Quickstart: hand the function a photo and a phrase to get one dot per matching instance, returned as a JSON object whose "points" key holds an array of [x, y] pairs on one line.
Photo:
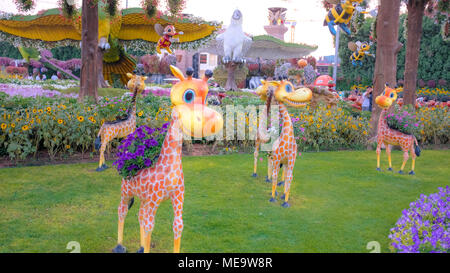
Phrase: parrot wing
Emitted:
{"points": [[136, 26], [49, 26]]}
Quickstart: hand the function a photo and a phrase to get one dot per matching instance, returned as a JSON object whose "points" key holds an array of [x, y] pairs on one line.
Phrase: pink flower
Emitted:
{"points": [[260, 159], [299, 153]]}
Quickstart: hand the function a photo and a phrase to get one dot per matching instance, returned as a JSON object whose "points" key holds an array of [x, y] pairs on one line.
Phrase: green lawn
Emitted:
{"points": [[339, 203]]}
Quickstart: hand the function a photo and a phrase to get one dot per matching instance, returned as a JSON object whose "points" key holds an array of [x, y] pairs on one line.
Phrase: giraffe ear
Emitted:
{"points": [[274, 83], [263, 82], [129, 75], [145, 78], [177, 72]]}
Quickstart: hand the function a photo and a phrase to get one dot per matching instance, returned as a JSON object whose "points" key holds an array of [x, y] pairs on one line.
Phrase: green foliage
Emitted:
{"points": [[349, 74], [10, 51], [434, 59], [65, 53]]}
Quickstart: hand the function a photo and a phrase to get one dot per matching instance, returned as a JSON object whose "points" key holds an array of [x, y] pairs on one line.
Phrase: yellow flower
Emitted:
{"points": [[67, 147], [4, 126], [80, 118], [49, 109], [40, 111], [60, 121], [166, 119], [140, 113], [25, 128], [13, 125]]}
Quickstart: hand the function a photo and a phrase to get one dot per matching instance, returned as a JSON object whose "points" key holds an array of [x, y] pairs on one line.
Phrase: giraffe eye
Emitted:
{"points": [[392, 95], [189, 96], [288, 88]]}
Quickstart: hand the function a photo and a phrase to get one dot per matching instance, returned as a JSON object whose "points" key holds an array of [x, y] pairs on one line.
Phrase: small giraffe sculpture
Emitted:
{"points": [[262, 136], [284, 149], [121, 127], [164, 180], [389, 136]]}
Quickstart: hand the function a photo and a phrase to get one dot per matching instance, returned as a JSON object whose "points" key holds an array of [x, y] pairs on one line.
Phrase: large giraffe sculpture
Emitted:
{"points": [[388, 136], [284, 149], [164, 180], [262, 136], [122, 127]]}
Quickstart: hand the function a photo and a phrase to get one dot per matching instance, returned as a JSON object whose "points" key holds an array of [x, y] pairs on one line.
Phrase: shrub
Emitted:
{"points": [[442, 82], [424, 226], [151, 63], [421, 83], [431, 83]]}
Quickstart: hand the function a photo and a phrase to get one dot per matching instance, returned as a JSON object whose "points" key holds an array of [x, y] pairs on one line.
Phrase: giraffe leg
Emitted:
{"points": [[275, 170], [177, 204], [122, 212], [405, 158], [141, 228], [287, 183], [255, 158], [388, 152], [413, 157], [101, 163], [149, 222], [269, 169], [283, 177], [378, 155]]}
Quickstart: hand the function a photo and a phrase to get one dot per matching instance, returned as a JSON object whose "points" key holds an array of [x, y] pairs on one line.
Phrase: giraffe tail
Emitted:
{"points": [[416, 148], [130, 203]]}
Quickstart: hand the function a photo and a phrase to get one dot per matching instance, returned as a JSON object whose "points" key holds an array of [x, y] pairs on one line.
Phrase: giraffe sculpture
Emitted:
{"points": [[164, 180], [262, 136], [284, 149], [121, 127], [388, 136]]}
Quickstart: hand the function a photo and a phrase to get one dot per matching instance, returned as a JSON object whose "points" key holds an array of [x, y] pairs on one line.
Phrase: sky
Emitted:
{"points": [[309, 15]]}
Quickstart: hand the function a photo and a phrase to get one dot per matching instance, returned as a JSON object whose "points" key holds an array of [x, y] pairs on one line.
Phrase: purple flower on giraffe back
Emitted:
{"points": [[140, 150]]}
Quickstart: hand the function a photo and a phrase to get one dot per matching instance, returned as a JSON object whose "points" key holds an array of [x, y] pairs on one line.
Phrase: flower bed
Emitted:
{"points": [[140, 150], [424, 226], [404, 120]]}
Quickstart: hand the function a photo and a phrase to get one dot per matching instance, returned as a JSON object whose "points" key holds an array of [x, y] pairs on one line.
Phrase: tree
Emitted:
{"points": [[388, 47], [416, 10], [89, 50]]}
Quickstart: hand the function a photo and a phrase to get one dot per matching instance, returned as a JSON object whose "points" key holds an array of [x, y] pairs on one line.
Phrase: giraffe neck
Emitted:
{"points": [[173, 141], [382, 123], [286, 121], [132, 113]]}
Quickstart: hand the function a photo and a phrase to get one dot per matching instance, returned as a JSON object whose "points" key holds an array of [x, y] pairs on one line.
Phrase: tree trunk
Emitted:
{"points": [[414, 32], [101, 80], [89, 61], [231, 82], [388, 47]]}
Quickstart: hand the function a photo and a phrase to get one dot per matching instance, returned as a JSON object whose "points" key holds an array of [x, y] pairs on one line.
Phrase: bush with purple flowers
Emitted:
{"points": [[140, 150], [404, 120], [425, 226]]}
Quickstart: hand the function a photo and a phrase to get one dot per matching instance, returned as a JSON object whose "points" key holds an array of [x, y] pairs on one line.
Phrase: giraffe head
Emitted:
{"points": [[189, 99], [261, 91], [386, 98], [136, 83], [285, 93]]}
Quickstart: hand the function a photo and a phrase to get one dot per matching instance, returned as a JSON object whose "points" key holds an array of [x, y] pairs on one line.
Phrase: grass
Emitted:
{"points": [[339, 204]]}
